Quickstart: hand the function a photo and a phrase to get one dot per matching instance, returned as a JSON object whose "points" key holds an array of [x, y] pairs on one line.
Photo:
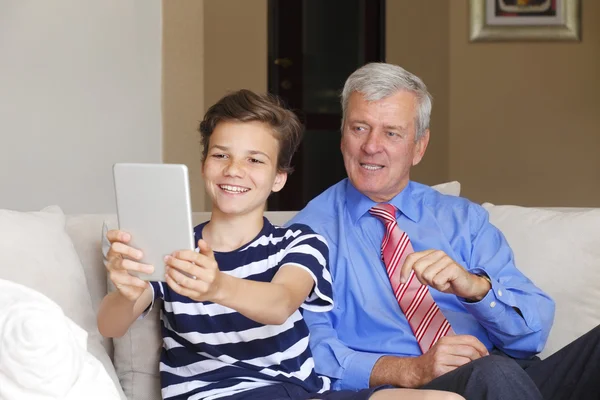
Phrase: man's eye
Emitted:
{"points": [[360, 129], [392, 134]]}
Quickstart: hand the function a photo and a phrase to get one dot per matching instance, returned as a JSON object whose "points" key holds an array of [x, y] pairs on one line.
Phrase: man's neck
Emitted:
{"points": [[226, 232]]}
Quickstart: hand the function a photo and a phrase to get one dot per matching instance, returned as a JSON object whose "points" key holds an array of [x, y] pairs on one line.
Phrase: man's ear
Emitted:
{"points": [[420, 148], [280, 180]]}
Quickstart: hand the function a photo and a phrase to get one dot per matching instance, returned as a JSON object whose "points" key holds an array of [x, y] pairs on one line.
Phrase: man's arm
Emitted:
{"points": [[354, 370], [516, 313]]}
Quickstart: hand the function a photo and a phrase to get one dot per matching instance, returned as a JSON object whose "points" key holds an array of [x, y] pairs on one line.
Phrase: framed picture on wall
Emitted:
{"points": [[493, 20]]}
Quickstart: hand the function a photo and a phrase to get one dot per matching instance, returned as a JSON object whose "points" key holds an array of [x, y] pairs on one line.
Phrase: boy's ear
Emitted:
{"points": [[280, 180]]}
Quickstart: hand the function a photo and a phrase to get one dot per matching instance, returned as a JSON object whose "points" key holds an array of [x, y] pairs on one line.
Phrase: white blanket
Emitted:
{"points": [[43, 354]]}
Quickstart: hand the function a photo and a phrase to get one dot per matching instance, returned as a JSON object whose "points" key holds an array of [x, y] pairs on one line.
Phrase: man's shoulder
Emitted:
{"points": [[447, 207], [439, 202], [323, 209]]}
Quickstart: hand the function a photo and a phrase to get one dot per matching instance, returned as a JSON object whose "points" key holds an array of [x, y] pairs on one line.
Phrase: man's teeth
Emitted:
{"points": [[371, 167], [235, 189]]}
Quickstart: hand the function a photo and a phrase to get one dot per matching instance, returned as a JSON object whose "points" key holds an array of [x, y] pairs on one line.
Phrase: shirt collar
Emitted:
{"points": [[358, 204]]}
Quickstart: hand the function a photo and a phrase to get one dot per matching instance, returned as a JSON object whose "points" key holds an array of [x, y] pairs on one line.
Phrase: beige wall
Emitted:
{"points": [[417, 40], [79, 91], [514, 122], [525, 116], [183, 88], [210, 48]]}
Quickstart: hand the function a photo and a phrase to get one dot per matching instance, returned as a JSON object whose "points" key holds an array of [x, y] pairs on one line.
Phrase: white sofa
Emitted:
{"points": [[559, 249]]}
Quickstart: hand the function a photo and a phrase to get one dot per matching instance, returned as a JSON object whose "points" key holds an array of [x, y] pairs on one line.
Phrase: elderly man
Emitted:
{"points": [[426, 290]]}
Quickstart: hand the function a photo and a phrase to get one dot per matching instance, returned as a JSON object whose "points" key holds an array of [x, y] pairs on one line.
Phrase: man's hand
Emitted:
{"points": [[436, 269], [195, 275], [449, 353]]}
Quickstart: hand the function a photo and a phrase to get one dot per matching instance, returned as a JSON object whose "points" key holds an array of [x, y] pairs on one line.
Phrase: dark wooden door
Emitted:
{"points": [[314, 45]]}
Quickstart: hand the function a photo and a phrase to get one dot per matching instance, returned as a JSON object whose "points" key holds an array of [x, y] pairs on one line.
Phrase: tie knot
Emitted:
{"points": [[384, 211]]}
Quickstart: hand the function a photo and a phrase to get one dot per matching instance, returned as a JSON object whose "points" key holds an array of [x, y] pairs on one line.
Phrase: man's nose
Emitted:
{"points": [[372, 143]]}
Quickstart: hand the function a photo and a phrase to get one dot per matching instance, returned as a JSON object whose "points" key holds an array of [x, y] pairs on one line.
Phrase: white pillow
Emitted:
{"points": [[44, 352], [560, 252], [36, 251], [450, 188]]}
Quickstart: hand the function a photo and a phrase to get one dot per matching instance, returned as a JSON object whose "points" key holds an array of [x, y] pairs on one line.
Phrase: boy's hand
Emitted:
{"points": [[120, 260], [203, 281]]}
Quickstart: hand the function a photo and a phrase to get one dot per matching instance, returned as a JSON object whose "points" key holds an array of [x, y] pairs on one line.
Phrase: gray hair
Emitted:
{"points": [[376, 81]]}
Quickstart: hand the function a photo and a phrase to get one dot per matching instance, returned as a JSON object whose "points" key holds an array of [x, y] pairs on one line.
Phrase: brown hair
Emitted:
{"points": [[246, 106]]}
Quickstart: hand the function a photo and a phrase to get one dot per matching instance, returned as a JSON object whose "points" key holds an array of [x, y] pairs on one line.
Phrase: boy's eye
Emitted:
{"points": [[219, 155], [256, 161]]}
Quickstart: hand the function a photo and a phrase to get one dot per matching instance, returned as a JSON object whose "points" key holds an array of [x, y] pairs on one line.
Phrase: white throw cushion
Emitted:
{"points": [[560, 252], [44, 352], [36, 251], [451, 188]]}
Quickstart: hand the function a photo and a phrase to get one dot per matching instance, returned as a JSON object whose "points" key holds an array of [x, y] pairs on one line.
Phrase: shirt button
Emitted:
{"points": [[500, 293], [493, 304]]}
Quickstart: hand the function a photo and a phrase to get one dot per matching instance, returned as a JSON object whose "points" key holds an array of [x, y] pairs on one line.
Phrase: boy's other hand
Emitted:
{"points": [[195, 275], [121, 259]]}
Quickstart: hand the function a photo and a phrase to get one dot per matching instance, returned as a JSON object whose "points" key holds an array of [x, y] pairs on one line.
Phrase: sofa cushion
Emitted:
{"points": [[84, 231], [560, 252], [37, 252]]}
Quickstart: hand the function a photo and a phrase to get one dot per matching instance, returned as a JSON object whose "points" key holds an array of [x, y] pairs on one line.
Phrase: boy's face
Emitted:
{"points": [[240, 170]]}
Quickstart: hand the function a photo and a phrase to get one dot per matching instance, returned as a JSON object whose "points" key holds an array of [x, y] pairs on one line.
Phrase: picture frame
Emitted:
{"points": [[506, 20]]}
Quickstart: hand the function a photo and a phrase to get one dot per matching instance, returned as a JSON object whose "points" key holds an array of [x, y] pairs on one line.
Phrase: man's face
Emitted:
{"points": [[378, 144]]}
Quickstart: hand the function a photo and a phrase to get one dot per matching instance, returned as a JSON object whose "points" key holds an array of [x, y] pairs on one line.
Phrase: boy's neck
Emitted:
{"points": [[226, 232]]}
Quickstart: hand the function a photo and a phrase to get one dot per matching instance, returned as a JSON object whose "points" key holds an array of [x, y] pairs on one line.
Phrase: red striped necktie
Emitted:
{"points": [[424, 316]]}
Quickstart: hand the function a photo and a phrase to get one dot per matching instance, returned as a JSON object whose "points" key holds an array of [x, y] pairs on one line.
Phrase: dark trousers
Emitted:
{"points": [[573, 373]]}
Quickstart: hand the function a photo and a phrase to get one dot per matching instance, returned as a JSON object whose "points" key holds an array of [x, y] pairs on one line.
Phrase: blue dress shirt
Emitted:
{"points": [[366, 322]]}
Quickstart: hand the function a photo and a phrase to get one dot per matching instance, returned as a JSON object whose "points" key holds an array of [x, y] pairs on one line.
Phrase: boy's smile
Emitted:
{"points": [[240, 170]]}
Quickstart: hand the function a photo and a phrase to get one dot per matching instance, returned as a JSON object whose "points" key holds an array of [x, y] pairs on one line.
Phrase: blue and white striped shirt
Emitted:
{"points": [[212, 352]]}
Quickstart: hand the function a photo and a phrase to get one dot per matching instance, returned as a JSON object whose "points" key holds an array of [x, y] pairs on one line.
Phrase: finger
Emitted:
{"points": [[122, 280], [185, 281], [125, 250], [409, 262], [181, 265], [467, 340], [173, 284], [198, 259], [133, 266], [462, 350], [205, 249], [442, 281], [454, 361], [427, 267], [115, 235]]}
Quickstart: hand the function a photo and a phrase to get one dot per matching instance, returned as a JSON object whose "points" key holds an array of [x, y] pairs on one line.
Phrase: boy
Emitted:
{"points": [[231, 323]]}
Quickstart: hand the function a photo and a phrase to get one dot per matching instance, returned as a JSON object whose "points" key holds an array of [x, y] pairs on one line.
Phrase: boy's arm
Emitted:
{"points": [[268, 303], [117, 313], [304, 267]]}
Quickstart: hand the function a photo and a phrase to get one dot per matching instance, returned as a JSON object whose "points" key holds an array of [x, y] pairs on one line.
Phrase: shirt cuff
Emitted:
{"points": [[357, 371], [495, 303]]}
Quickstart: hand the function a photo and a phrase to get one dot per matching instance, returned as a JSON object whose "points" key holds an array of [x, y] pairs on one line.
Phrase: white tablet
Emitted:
{"points": [[153, 205]]}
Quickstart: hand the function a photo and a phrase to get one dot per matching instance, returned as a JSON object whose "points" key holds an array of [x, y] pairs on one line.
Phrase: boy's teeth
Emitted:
{"points": [[233, 188]]}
